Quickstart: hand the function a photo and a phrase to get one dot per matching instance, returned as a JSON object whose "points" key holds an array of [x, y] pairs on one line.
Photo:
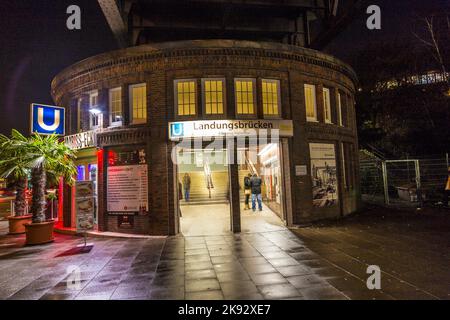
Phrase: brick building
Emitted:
{"points": [[133, 113]]}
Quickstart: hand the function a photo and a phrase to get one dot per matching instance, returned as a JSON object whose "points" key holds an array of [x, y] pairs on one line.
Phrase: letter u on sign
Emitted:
{"points": [[47, 119], [177, 129]]}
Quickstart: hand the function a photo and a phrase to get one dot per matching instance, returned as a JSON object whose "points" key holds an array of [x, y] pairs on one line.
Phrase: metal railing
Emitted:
{"points": [[418, 181]]}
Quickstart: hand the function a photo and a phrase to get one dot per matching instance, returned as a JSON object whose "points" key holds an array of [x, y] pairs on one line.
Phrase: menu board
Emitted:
{"points": [[127, 189], [84, 205]]}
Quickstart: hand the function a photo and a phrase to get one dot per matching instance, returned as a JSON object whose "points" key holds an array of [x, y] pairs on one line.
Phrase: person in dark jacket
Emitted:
{"points": [[247, 190], [255, 183]]}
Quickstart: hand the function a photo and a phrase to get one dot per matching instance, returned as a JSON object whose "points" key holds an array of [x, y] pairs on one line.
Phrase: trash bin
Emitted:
{"points": [[408, 192]]}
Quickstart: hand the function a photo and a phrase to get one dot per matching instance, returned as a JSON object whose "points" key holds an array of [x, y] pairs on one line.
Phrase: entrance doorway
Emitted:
{"points": [[87, 170], [261, 163], [203, 189], [203, 184]]}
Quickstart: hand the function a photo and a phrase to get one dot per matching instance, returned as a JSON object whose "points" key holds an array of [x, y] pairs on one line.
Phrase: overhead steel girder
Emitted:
{"points": [[117, 24]]}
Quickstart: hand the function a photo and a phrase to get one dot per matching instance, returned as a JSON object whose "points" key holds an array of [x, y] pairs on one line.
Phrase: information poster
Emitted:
{"points": [[323, 174], [84, 205], [127, 189]]}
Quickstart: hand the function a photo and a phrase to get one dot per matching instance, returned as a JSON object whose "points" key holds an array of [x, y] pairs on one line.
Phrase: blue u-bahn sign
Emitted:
{"points": [[47, 119], [176, 129]]}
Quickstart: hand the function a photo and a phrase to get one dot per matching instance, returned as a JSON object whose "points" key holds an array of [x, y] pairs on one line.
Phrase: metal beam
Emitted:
{"points": [[112, 14], [292, 4], [336, 24]]}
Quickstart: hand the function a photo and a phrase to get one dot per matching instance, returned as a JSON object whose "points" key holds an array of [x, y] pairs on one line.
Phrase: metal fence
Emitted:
{"points": [[413, 182]]}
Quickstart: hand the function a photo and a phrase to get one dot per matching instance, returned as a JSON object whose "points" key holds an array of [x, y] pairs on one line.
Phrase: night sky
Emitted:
{"points": [[35, 45]]}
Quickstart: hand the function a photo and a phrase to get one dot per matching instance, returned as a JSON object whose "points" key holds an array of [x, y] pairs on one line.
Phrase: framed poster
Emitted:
{"points": [[323, 174], [127, 189]]}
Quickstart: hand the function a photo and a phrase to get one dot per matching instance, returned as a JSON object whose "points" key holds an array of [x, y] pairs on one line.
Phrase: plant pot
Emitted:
{"points": [[39, 233], [17, 224]]}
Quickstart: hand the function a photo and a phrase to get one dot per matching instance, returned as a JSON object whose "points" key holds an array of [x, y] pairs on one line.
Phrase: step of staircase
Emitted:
{"points": [[203, 202]]}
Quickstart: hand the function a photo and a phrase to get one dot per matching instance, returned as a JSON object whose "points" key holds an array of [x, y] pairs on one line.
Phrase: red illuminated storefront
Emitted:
{"points": [[88, 159]]}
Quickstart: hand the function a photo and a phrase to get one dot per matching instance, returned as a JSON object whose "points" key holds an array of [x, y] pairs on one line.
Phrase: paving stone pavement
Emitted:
{"points": [[327, 262]]}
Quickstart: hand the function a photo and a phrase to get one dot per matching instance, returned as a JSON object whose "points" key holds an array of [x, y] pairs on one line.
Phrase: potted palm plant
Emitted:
{"points": [[14, 166], [49, 159]]}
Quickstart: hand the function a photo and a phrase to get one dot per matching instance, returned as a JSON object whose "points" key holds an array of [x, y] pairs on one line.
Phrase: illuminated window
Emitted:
{"points": [[93, 99], [326, 105], [213, 95], [310, 102], [186, 97], [115, 106], [138, 103], [245, 96], [339, 109], [81, 170], [95, 115], [271, 97]]}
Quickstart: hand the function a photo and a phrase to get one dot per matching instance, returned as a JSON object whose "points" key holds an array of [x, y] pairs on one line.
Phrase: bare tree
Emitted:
{"points": [[435, 36]]}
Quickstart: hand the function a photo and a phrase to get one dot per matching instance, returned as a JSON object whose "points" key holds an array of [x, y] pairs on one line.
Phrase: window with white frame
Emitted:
{"points": [[115, 106], [245, 96], [213, 96], [270, 97], [79, 126], [310, 102], [339, 109], [186, 97], [95, 114], [138, 103], [326, 105]]}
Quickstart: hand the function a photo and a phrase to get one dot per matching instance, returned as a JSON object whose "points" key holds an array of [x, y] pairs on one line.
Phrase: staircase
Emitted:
{"points": [[248, 168], [200, 193]]}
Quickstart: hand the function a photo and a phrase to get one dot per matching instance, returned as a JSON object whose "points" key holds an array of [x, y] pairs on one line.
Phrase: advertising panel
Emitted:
{"points": [[323, 174], [127, 189], [84, 205]]}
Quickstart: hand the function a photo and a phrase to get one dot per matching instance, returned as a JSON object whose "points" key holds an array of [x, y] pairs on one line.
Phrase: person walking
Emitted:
{"points": [[255, 183], [247, 191], [186, 186]]}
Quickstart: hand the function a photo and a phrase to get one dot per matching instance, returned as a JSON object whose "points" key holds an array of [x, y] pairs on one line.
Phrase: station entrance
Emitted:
{"points": [[204, 182]]}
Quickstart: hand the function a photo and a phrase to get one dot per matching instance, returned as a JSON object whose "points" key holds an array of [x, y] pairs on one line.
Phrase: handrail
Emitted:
{"points": [[251, 166]]}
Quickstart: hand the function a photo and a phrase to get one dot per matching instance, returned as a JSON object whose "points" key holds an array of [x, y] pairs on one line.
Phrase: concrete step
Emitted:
{"points": [[205, 202]]}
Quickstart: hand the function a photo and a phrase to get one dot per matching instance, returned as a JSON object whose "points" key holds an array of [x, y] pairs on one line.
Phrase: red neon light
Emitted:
{"points": [[100, 156], [60, 199], [111, 157]]}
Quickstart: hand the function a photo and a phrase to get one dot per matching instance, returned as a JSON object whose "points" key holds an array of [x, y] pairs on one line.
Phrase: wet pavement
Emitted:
{"points": [[215, 220], [319, 262]]}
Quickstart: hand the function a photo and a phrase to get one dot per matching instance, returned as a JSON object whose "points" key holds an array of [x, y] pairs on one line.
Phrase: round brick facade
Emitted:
{"points": [[159, 65]]}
